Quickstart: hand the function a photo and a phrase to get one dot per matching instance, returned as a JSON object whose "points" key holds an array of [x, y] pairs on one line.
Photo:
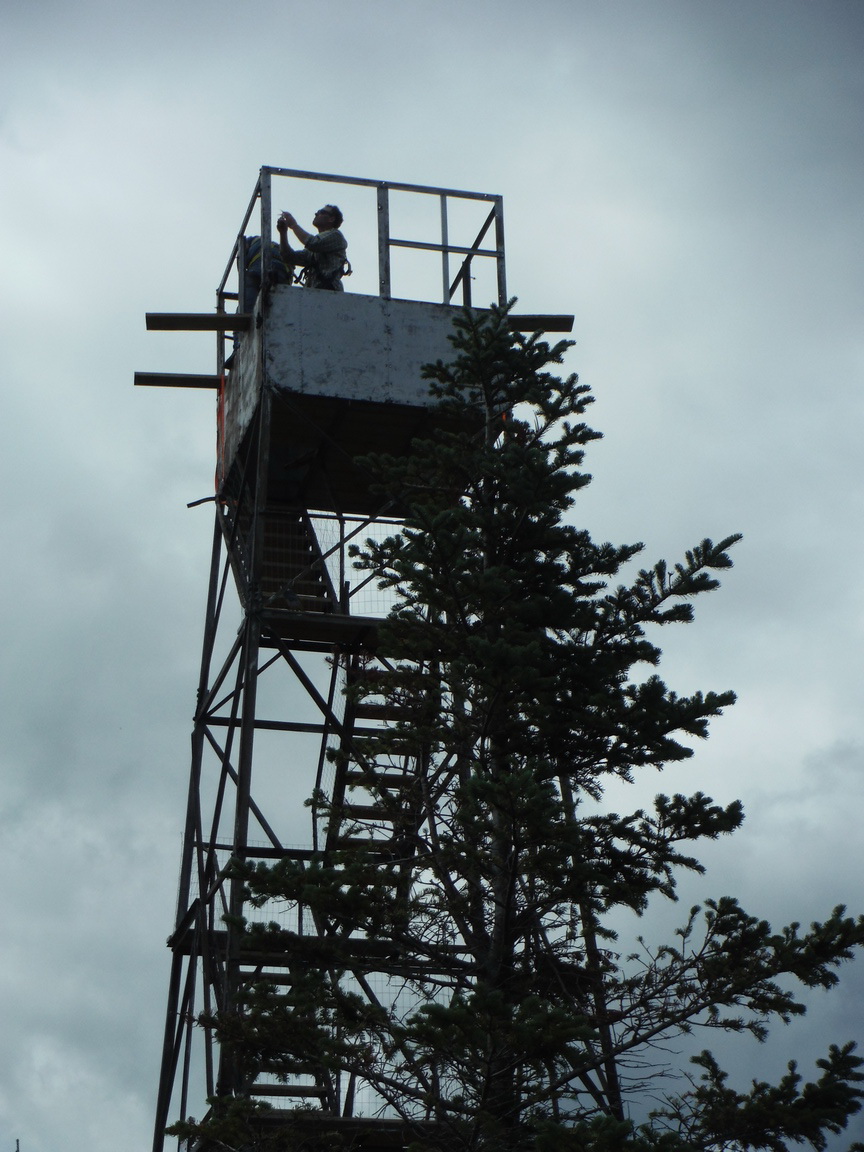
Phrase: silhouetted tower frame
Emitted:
{"points": [[316, 380]]}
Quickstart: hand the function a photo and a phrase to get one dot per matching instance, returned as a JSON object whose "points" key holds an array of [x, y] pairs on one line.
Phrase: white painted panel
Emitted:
{"points": [[359, 347], [336, 344]]}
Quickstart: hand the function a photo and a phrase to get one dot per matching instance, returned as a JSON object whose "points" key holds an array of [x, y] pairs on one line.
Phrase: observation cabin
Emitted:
{"points": [[307, 381]]}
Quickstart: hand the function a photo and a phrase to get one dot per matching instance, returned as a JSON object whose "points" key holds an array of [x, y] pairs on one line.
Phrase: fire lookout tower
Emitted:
{"points": [[310, 382]]}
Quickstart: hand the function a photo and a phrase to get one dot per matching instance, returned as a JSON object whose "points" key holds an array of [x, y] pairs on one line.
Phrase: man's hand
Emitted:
{"points": [[286, 221]]}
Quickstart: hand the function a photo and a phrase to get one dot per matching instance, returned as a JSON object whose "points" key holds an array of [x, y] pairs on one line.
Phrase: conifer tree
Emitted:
{"points": [[518, 662]]}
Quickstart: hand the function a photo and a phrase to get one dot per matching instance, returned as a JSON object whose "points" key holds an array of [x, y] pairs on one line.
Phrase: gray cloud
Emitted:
{"points": [[686, 177]]}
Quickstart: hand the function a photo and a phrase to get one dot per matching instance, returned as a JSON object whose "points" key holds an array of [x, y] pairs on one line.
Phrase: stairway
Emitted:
{"points": [[375, 800], [293, 572]]}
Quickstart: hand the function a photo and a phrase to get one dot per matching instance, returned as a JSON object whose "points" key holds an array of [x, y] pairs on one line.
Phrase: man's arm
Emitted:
{"points": [[286, 221], [290, 257]]}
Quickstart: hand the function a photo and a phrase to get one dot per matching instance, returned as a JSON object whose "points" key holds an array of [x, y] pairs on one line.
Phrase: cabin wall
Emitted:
{"points": [[338, 345]]}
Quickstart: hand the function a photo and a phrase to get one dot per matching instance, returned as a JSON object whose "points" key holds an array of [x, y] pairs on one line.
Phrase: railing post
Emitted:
{"points": [[466, 282], [266, 226], [445, 254], [383, 241], [499, 246]]}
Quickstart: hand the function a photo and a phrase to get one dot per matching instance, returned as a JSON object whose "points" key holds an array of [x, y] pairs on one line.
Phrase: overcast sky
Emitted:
{"points": [[683, 175]]}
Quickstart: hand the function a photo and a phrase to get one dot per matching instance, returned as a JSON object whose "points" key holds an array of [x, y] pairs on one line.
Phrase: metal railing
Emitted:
{"points": [[456, 259]]}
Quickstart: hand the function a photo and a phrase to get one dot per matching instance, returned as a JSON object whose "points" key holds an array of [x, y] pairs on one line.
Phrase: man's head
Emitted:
{"points": [[328, 217]]}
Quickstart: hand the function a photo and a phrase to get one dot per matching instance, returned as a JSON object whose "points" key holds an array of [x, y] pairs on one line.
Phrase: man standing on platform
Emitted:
{"points": [[323, 257]]}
